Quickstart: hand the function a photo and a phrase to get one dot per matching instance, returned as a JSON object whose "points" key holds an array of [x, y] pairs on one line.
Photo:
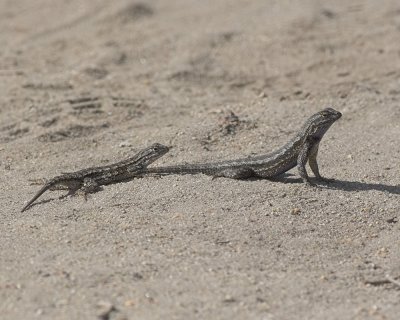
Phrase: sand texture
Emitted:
{"points": [[88, 83]]}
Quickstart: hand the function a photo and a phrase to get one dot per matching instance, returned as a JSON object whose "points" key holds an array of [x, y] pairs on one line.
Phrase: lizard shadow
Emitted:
{"points": [[77, 194], [63, 197], [344, 185], [69, 195], [336, 184]]}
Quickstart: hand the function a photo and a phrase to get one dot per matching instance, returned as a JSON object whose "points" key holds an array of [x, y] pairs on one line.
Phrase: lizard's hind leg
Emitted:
{"points": [[89, 186], [236, 173], [72, 186]]}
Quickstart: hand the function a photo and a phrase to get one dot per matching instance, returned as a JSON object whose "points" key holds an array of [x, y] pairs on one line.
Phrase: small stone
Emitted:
{"points": [[129, 303], [39, 312], [105, 309], [323, 278], [392, 220], [262, 94], [229, 299], [295, 211], [383, 252], [125, 144]]}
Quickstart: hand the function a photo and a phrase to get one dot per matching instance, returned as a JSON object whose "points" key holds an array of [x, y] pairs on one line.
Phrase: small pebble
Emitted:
{"points": [[125, 144], [295, 211]]}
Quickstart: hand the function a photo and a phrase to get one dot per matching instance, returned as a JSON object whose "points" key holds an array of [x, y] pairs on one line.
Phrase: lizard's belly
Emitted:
{"points": [[275, 169]]}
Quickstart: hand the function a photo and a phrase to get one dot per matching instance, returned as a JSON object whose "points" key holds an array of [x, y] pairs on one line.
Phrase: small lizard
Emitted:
{"points": [[301, 148], [89, 180]]}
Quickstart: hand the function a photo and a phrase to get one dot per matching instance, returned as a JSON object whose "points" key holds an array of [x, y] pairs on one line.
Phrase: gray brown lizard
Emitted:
{"points": [[89, 180], [301, 148]]}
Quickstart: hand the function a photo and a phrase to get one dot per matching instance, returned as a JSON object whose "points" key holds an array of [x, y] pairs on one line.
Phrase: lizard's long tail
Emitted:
{"points": [[37, 195]]}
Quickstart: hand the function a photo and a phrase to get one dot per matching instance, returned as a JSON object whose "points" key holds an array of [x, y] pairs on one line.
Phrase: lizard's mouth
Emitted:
{"points": [[338, 115]]}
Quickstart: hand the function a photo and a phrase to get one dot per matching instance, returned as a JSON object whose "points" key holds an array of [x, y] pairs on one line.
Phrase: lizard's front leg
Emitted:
{"points": [[303, 158], [89, 186], [312, 161]]}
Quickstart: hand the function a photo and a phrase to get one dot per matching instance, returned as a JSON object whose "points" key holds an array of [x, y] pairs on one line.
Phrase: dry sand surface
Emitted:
{"points": [[189, 247]]}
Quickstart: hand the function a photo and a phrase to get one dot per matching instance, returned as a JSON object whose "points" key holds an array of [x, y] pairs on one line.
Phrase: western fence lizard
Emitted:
{"points": [[300, 149], [89, 180]]}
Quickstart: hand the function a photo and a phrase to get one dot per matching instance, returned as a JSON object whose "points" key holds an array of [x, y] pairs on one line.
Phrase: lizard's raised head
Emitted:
{"points": [[330, 113], [320, 122], [155, 151], [150, 154]]}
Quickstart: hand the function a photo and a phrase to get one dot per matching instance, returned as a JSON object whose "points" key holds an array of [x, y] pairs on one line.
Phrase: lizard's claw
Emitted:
{"points": [[310, 184]]}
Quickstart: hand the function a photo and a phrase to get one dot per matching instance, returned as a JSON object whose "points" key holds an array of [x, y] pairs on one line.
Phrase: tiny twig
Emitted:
{"points": [[393, 281], [377, 282], [388, 280]]}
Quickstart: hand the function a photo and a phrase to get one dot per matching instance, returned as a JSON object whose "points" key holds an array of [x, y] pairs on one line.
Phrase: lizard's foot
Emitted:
{"points": [[83, 194], [310, 184]]}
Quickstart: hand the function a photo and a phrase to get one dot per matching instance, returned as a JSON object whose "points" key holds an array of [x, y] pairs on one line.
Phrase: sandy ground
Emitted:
{"points": [[189, 247]]}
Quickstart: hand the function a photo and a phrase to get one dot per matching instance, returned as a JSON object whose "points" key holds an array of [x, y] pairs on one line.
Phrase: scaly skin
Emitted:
{"points": [[89, 180], [301, 148]]}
